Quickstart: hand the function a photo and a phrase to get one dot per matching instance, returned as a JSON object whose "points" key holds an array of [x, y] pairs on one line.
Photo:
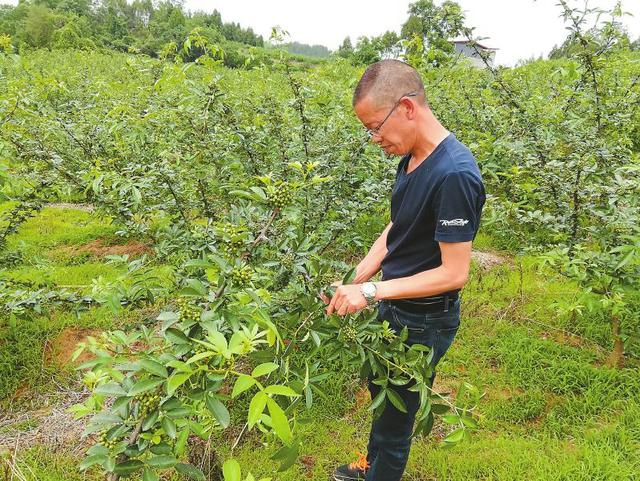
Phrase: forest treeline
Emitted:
{"points": [[161, 28]]}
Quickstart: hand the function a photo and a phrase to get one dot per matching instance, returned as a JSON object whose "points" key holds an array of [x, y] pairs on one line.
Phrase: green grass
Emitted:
{"points": [[77, 277], [46, 464], [55, 226]]}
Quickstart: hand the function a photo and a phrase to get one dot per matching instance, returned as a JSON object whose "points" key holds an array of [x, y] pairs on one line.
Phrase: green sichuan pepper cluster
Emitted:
{"points": [[348, 333], [105, 441], [281, 195], [231, 238], [148, 402], [188, 310], [241, 275]]}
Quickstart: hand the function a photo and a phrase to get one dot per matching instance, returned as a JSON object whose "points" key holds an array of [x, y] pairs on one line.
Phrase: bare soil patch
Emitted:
{"points": [[308, 462], [102, 247], [488, 260], [562, 337], [61, 349]]}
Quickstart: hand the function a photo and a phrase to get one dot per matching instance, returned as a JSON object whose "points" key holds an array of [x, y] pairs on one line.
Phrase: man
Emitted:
{"points": [[425, 251]]}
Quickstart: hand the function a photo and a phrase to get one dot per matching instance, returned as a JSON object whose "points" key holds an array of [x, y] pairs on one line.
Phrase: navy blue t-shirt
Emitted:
{"points": [[441, 200]]}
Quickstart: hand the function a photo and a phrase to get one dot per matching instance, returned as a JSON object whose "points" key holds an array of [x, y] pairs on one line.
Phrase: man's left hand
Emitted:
{"points": [[347, 300]]}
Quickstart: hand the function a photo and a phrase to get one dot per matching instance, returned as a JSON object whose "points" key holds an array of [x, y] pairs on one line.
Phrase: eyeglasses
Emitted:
{"points": [[376, 131]]}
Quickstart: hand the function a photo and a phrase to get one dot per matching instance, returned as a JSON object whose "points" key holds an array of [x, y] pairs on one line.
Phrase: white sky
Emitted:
{"points": [[520, 29]]}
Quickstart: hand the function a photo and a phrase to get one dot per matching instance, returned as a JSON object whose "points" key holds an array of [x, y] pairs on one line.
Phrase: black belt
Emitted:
{"points": [[424, 305]]}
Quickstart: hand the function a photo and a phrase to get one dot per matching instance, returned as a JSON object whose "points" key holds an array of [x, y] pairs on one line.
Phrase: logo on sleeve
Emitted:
{"points": [[454, 222]]}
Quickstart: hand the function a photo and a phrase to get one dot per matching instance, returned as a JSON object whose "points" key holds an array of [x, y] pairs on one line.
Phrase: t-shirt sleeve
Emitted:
{"points": [[458, 207]]}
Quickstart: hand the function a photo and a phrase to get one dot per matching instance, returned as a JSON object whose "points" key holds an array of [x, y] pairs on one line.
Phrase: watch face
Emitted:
{"points": [[369, 289]]}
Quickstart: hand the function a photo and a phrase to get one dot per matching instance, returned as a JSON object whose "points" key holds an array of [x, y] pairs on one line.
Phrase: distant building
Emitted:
{"points": [[475, 52]]}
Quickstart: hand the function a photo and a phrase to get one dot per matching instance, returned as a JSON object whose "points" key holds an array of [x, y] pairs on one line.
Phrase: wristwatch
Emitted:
{"points": [[368, 290]]}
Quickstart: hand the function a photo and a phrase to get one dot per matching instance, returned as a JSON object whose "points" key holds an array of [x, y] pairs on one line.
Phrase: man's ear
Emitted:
{"points": [[409, 108]]}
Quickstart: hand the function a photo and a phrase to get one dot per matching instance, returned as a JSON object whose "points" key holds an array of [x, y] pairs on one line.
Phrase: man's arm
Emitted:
{"points": [[452, 274], [370, 265]]}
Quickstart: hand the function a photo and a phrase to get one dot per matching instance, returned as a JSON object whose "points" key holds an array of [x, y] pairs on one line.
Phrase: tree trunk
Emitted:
{"points": [[616, 357]]}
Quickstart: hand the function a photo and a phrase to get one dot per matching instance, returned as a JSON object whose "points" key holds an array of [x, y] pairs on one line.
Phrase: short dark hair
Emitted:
{"points": [[386, 81]]}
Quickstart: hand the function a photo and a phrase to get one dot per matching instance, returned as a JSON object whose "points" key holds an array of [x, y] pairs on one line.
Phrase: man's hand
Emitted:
{"points": [[347, 300], [324, 297]]}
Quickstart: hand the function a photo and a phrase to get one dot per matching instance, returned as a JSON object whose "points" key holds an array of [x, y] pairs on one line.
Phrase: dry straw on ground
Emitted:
{"points": [[51, 425]]}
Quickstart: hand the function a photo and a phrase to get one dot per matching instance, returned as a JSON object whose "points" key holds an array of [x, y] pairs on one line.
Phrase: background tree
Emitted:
{"points": [[39, 26], [346, 48], [436, 25], [141, 25], [366, 52]]}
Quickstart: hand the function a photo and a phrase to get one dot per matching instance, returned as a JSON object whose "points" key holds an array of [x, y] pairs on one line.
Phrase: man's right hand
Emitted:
{"points": [[326, 299]]}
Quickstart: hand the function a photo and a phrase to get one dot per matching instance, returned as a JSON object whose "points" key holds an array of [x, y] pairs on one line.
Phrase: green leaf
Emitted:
{"points": [[92, 460], [149, 475], [424, 426], [231, 470], [128, 467], [169, 427], [120, 403], [281, 390], [219, 411], [451, 419], [106, 418], [244, 195], [428, 425], [195, 288], [176, 380], [455, 436], [236, 343], [109, 465], [179, 413], [97, 449], [256, 408], [190, 471], [200, 356], [348, 277], [396, 400], [287, 456], [308, 396], [223, 264], [218, 340], [110, 389], [377, 400], [181, 442], [439, 408], [162, 448], [259, 192], [162, 462], [263, 369], [168, 319], [91, 363], [469, 422], [176, 336], [154, 368], [243, 383], [144, 386], [150, 420], [279, 421]]}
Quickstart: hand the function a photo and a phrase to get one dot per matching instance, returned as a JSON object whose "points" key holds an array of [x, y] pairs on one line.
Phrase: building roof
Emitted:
{"points": [[477, 43]]}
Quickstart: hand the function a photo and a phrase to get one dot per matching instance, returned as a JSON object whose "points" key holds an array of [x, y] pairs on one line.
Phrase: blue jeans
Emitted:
{"points": [[389, 440]]}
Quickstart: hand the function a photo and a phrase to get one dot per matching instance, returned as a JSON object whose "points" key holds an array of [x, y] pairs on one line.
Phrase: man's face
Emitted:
{"points": [[394, 135]]}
